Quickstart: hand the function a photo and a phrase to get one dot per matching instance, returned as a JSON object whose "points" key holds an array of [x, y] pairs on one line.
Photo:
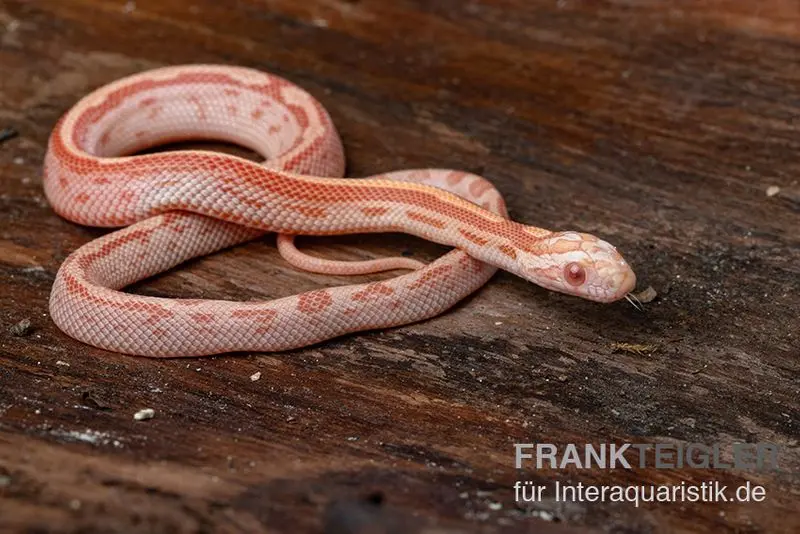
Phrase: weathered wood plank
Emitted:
{"points": [[658, 126]]}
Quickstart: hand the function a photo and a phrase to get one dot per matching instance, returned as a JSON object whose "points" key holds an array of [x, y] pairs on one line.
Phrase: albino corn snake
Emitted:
{"points": [[180, 205]]}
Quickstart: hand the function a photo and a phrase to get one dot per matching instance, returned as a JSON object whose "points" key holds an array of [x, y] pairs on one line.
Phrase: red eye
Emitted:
{"points": [[574, 274]]}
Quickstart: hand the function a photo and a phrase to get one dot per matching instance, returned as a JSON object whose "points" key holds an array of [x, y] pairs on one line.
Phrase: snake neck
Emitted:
{"points": [[511, 246], [487, 236]]}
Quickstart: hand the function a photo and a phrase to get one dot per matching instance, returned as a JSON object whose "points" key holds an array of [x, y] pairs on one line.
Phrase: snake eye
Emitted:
{"points": [[574, 274]]}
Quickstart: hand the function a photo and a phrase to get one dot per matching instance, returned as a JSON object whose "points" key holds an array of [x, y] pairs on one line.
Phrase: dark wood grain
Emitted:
{"points": [[656, 125]]}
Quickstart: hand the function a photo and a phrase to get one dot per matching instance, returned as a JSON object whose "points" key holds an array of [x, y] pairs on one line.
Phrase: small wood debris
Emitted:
{"points": [[633, 348], [647, 295], [91, 400], [255, 376], [773, 190], [544, 515], [20, 329], [62, 363], [143, 415]]}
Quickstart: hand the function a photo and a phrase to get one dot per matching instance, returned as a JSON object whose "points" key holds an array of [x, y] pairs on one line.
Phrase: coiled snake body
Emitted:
{"points": [[179, 205]]}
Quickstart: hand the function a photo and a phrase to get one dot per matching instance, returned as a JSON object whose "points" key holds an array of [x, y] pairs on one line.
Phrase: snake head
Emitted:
{"points": [[581, 265]]}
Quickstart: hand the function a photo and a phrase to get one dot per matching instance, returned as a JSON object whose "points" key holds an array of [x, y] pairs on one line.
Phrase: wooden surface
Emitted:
{"points": [[657, 125]]}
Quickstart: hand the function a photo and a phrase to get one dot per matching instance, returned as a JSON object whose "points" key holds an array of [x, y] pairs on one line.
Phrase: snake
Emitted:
{"points": [[171, 206]]}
